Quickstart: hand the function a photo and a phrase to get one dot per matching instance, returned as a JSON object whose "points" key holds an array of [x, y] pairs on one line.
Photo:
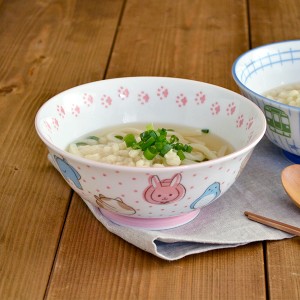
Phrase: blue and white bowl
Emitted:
{"points": [[262, 69]]}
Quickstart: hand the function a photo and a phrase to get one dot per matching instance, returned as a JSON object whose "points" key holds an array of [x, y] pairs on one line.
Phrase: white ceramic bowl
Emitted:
{"points": [[262, 69], [122, 194]]}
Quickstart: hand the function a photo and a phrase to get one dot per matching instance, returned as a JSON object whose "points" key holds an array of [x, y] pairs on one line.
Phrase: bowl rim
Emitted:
{"points": [[166, 169], [257, 95]]}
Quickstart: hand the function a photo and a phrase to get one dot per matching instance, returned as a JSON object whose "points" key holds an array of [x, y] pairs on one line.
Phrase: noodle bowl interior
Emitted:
{"points": [[142, 145]]}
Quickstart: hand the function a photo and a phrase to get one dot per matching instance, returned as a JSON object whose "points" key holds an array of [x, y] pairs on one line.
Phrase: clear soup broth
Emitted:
{"points": [[158, 145]]}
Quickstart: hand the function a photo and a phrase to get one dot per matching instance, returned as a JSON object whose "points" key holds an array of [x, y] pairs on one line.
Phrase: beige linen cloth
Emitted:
{"points": [[223, 224]]}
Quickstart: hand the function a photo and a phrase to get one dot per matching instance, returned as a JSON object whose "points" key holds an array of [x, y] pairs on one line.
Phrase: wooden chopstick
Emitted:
{"points": [[272, 223]]}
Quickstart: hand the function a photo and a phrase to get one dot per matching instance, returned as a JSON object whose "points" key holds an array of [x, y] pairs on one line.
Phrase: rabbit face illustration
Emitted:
{"points": [[165, 191]]}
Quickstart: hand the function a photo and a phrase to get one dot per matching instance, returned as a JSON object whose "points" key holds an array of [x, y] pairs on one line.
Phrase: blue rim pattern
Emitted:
{"points": [[268, 61]]}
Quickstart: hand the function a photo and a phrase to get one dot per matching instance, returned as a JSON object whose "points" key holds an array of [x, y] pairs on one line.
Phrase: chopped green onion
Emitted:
{"points": [[93, 137], [161, 138], [150, 153], [181, 154], [165, 149], [178, 146], [130, 140], [153, 134], [205, 130], [187, 148], [119, 137], [159, 145], [144, 135], [162, 132], [146, 144], [174, 139], [81, 144], [149, 126], [154, 142], [136, 146], [147, 134]]}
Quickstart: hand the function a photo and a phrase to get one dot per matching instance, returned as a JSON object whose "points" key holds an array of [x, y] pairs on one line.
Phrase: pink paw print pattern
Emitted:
{"points": [[230, 109], [162, 93], [60, 111], [181, 100], [250, 137], [200, 98], [75, 110], [123, 93], [88, 99], [143, 97], [55, 123], [47, 126], [249, 123], [215, 108], [240, 121], [106, 101]]}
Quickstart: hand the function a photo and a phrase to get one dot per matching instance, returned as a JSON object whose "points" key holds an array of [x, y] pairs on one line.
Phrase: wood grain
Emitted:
{"points": [[284, 269], [190, 39], [95, 264], [273, 21], [46, 52]]}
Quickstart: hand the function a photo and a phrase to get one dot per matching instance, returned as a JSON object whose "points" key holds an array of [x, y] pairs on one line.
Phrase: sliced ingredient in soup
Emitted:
{"points": [[286, 94], [162, 147]]}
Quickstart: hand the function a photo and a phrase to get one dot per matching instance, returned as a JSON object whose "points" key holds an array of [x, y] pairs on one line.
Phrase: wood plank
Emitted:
{"points": [[44, 50], [273, 21], [284, 269], [194, 40], [95, 264], [167, 38]]}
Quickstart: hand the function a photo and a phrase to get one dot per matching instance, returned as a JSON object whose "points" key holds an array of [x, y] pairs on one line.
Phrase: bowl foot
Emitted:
{"points": [[291, 157], [151, 223]]}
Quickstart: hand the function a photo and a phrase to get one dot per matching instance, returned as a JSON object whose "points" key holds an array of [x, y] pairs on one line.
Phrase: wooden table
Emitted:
{"points": [[50, 244]]}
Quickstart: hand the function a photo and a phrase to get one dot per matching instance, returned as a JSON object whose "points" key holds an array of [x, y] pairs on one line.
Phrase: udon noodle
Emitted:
{"points": [[287, 94], [110, 146]]}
